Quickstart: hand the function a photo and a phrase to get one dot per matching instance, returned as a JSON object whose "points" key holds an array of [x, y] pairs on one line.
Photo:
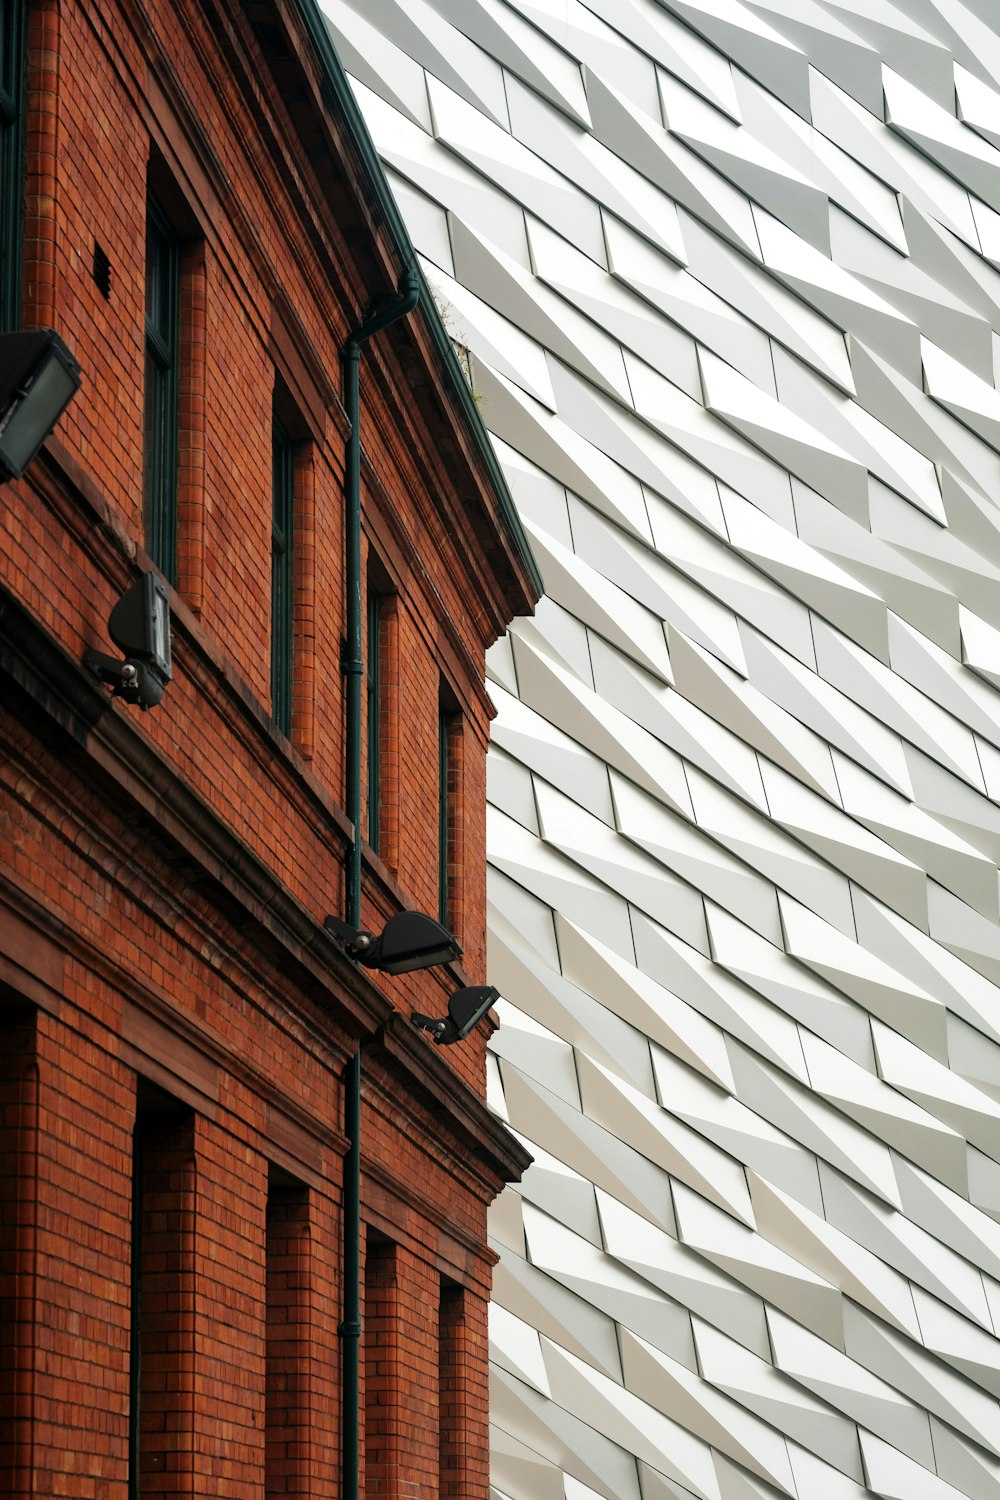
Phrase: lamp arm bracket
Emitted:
{"points": [[118, 674], [437, 1028]]}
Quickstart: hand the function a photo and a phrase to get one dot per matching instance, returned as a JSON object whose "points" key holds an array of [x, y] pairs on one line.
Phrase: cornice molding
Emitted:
{"points": [[73, 714]]}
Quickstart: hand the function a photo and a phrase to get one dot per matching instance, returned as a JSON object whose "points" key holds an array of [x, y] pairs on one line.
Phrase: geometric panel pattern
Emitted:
{"points": [[726, 278]]}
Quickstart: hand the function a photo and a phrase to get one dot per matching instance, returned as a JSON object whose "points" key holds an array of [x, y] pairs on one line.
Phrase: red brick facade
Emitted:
{"points": [[174, 1022]]}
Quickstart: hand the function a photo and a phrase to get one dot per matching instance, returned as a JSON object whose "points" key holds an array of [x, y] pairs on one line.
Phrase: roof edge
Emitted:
{"points": [[347, 105]]}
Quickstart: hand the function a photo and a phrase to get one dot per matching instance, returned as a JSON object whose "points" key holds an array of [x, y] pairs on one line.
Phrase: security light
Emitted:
{"points": [[466, 1009], [139, 625], [409, 940], [38, 379]]}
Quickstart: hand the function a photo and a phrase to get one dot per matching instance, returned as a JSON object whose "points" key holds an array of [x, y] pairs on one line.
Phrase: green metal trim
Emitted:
{"points": [[444, 813], [282, 574], [161, 398], [353, 667], [13, 88], [374, 718], [343, 100]]}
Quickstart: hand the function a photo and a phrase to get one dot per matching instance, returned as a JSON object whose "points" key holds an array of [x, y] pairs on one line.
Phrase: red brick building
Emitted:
{"points": [[191, 201]]}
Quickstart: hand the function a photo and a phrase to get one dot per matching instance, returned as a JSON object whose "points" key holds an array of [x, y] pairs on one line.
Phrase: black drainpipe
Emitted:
{"points": [[353, 667]]}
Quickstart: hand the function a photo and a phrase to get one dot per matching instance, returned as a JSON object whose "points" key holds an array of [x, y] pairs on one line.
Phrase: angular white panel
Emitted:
{"points": [[709, 990], [864, 858], [752, 1260], [913, 1251], [972, 1114], [746, 162], [633, 1422], [502, 34], [755, 1383], [896, 1477], [790, 986], [607, 1285], [655, 1011], [554, 1310], [707, 1412], [914, 1132], [665, 1137], [922, 1377], [835, 1256], [829, 712], [737, 335], [850, 1388], [676, 846], [865, 977], [756, 47], [684, 1274], [799, 447], [767, 727], [817, 1126], [515, 1346]]}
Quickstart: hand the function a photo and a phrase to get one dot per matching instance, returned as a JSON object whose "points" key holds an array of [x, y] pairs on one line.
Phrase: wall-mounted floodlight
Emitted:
{"points": [[466, 1009], [139, 625], [409, 940], [38, 379]]}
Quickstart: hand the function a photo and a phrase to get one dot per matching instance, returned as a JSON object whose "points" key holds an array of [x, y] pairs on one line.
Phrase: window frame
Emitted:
{"points": [[283, 461], [161, 394], [13, 105], [287, 1332], [161, 1333], [374, 706], [449, 770], [381, 702]]}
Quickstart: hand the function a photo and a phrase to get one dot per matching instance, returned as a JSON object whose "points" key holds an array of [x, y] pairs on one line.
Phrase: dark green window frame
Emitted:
{"points": [[162, 390], [282, 574], [373, 681], [13, 98], [448, 721]]}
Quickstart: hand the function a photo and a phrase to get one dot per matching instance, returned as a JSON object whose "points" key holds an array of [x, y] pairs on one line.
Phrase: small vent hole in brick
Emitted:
{"points": [[102, 271]]}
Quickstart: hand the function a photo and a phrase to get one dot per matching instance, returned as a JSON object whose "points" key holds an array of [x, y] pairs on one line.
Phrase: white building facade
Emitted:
{"points": [[727, 277]]}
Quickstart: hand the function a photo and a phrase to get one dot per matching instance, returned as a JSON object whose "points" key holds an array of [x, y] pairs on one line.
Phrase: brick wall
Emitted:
{"points": [[174, 1024]]}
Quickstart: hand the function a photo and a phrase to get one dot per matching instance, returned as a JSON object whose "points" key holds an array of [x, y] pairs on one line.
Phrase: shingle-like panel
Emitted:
{"points": [[727, 275]]}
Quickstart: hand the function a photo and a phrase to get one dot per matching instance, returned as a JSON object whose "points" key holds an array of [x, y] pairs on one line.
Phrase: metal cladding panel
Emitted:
{"points": [[725, 279]]}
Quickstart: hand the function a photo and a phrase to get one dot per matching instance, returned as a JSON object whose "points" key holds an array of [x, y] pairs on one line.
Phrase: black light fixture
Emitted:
{"points": [[409, 940], [139, 625], [38, 379], [466, 1009]]}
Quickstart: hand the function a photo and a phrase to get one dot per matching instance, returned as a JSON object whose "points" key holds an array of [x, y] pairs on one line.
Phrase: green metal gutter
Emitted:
{"points": [[342, 101], [353, 667]]}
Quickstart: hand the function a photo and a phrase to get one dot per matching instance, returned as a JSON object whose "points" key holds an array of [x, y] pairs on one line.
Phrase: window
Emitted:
{"points": [[161, 1389], [282, 574], [449, 830], [453, 1392], [162, 382], [287, 1296], [19, 1194], [381, 1366], [381, 711], [375, 705], [13, 59]]}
